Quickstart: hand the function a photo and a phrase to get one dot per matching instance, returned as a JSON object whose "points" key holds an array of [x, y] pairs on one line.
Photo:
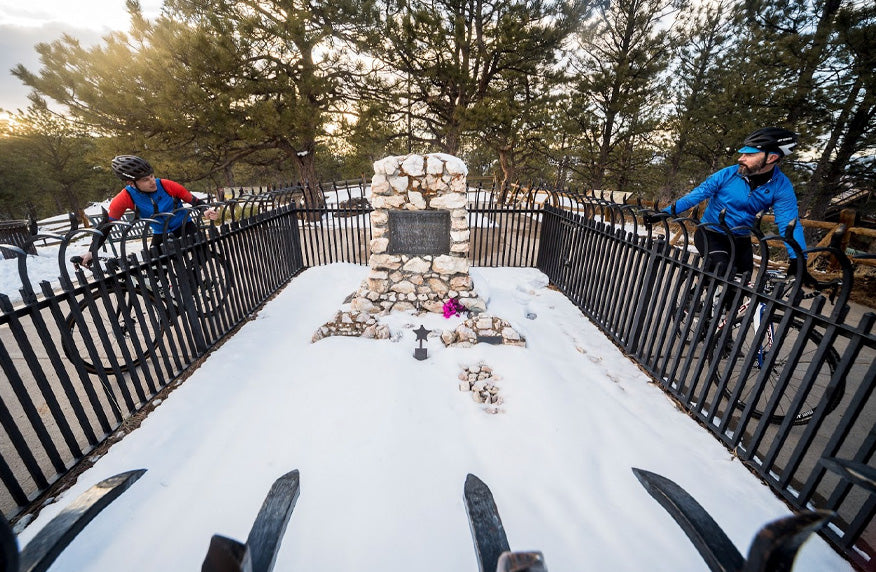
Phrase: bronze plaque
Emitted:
{"points": [[419, 232]]}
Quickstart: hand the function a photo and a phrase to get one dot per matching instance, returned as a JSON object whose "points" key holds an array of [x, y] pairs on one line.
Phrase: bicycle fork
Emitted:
{"points": [[767, 344]]}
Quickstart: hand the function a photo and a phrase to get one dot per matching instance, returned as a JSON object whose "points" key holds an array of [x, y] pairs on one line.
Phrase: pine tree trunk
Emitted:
{"points": [[313, 198], [826, 181]]}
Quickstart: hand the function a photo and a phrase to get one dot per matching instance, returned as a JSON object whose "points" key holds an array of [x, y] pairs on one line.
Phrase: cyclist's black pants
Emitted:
{"points": [[725, 250], [719, 247], [187, 228], [200, 252]]}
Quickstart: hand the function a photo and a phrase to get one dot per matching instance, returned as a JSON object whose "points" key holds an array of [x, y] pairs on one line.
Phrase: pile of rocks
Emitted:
{"points": [[359, 324], [481, 328], [406, 281], [479, 381]]}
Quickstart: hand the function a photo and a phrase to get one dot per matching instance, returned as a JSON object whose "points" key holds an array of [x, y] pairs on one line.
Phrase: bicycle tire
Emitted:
{"points": [[815, 394], [138, 320], [211, 281]]}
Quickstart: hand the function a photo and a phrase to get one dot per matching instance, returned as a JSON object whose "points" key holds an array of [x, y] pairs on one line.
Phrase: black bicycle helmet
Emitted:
{"points": [[130, 167], [771, 140]]}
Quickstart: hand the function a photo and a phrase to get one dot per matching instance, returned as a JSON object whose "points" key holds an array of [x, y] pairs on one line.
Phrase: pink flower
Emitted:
{"points": [[452, 307]]}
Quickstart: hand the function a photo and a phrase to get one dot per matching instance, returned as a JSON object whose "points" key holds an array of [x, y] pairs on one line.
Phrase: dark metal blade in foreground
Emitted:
{"points": [[267, 532], [226, 555], [45, 547], [486, 526], [707, 537], [8, 547], [776, 545]]}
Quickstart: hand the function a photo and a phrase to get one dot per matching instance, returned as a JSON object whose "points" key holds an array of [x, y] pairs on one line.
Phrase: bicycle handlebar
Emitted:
{"points": [[78, 260]]}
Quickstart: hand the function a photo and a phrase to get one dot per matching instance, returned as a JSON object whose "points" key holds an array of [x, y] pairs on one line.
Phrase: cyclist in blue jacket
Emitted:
{"points": [[752, 186]]}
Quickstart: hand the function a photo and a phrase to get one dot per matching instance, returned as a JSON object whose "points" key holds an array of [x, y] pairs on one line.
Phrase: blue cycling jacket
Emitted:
{"points": [[727, 189]]}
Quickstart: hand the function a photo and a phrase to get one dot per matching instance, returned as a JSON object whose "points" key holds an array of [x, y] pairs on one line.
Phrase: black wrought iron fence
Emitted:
{"points": [[80, 358], [781, 375]]}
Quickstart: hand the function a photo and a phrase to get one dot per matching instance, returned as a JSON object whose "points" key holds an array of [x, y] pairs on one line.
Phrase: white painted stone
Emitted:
{"points": [[387, 202], [379, 217], [445, 264], [510, 333], [414, 165], [403, 287], [453, 165], [395, 201], [434, 165], [386, 166], [361, 305], [398, 183], [379, 185], [449, 201], [458, 185], [416, 199], [460, 235], [384, 261], [379, 245], [417, 265], [465, 333]]}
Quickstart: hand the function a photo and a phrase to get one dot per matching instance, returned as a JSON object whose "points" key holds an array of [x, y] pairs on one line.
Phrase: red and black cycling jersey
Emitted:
{"points": [[166, 199]]}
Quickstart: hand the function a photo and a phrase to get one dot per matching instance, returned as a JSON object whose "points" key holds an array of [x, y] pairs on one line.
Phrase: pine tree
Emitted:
{"points": [[462, 63], [211, 83], [616, 102]]}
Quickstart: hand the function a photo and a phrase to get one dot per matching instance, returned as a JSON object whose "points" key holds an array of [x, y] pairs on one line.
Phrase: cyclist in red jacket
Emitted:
{"points": [[153, 198]]}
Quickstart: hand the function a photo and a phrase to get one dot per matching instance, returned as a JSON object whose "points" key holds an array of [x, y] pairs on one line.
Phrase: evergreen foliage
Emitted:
{"points": [[644, 96]]}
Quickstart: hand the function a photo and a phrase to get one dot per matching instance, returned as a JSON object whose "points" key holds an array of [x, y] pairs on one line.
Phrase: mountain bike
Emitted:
{"points": [[121, 321], [765, 361]]}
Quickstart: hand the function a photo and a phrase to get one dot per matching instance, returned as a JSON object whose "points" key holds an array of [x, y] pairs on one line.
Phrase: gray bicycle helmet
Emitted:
{"points": [[771, 140], [130, 167]]}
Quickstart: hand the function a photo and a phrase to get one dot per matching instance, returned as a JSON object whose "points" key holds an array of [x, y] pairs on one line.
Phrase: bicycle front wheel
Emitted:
{"points": [[797, 370], [212, 279], [115, 325]]}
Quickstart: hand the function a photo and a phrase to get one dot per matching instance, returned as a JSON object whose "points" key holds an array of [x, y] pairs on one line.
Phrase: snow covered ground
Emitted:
{"points": [[384, 442]]}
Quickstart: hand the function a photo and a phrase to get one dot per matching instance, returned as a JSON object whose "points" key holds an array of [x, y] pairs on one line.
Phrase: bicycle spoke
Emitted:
{"points": [[781, 364]]}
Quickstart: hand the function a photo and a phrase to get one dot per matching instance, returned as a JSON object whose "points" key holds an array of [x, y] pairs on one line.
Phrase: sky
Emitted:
{"points": [[384, 442], [25, 24]]}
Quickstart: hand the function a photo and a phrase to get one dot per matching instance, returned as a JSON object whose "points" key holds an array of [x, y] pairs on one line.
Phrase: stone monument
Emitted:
{"points": [[419, 254], [420, 237]]}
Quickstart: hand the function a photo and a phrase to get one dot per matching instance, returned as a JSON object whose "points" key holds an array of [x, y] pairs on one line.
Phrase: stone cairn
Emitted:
{"points": [[480, 381], [401, 281], [480, 327], [404, 282]]}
